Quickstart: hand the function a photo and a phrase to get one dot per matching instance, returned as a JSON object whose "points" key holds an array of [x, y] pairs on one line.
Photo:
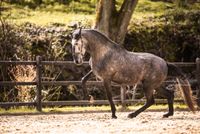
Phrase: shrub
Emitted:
{"points": [[173, 36]]}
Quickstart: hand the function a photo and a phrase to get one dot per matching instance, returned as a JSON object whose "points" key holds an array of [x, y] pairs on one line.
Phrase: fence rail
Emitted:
{"points": [[38, 83]]}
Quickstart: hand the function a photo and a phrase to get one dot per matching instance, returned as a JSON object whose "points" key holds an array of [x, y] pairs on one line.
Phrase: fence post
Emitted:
{"points": [[38, 86], [198, 79], [123, 96]]}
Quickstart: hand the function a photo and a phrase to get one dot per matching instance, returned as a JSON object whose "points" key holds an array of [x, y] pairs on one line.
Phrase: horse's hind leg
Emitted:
{"points": [[170, 100], [83, 82], [150, 101]]}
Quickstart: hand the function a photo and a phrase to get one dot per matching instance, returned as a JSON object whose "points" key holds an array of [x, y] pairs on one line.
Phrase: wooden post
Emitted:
{"points": [[123, 97], [198, 79], [38, 86]]}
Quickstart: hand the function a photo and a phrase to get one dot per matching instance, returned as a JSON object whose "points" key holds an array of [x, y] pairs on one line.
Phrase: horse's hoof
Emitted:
{"points": [[114, 117], [167, 115], [132, 115]]}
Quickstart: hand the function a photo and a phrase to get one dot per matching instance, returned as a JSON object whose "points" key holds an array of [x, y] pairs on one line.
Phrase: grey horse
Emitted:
{"points": [[112, 63]]}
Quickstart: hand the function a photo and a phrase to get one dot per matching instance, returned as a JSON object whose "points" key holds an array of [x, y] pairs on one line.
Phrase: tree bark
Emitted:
{"points": [[112, 22]]}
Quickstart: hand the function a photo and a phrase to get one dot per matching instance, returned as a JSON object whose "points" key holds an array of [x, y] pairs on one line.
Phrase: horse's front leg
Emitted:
{"points": [[83, 82], [107, 85]]}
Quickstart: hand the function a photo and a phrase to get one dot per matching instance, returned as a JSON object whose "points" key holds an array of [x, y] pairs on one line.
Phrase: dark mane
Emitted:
{"points": [[101, 35]]}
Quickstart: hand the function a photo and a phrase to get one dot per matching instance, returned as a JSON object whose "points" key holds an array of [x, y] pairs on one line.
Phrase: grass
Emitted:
{"points": [[71, 109], [43, 18], [83, 11], [48, 14], [60, 13]]}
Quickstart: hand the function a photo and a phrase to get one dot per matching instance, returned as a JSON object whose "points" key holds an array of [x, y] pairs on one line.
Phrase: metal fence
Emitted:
{"points": [[39, 83]]}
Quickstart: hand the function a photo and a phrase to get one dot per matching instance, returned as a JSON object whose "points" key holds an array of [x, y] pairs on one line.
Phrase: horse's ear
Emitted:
{"points": [[80, 31], [70, 35]]}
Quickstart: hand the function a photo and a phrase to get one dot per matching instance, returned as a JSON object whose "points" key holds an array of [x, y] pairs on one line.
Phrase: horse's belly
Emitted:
{"points": [[126, 78]]}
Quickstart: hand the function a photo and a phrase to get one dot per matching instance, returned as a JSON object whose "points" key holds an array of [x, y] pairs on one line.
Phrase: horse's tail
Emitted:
{"points": [[183, 85]]}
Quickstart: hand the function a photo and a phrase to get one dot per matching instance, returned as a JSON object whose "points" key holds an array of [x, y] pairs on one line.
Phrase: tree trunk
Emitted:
{"points": [[112, 22]]}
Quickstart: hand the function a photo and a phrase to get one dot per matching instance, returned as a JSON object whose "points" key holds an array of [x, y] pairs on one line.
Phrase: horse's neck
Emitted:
{"points": [[99, 51], [99, 45]]}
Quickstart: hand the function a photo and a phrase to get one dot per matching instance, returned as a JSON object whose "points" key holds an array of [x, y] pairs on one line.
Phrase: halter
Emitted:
{"points": [[81, 49], [81, 46]]}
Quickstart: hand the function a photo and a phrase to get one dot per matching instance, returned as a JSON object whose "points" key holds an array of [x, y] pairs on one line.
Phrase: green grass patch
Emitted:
{"points": [[70, 109], [43, 18], [48, 14], [80, 11], [22, 109], [149, 7]]}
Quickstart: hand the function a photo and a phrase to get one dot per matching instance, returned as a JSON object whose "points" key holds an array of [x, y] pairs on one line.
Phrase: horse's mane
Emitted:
{"points": [[101, 35]]}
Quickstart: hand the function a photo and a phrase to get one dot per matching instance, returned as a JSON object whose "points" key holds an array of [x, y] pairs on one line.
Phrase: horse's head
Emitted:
{"points": [[78, 46]]}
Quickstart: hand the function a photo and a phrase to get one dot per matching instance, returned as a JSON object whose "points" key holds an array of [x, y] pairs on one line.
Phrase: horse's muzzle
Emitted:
{"points": [[78, 62]]}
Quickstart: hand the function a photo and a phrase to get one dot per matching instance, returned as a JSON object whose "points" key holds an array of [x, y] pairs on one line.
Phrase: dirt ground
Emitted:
{"points": [[182, 122]]}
